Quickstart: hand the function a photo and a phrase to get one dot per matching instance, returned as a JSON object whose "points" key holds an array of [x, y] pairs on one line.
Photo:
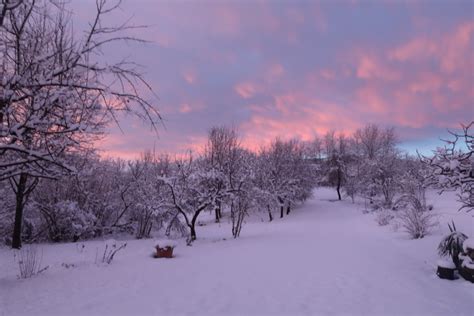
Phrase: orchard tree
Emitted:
{"points": [[55, 96], [149, 195], [283, 176], [223, 154], [373, 141], [193, 188], [376, 147], [337, 159]]}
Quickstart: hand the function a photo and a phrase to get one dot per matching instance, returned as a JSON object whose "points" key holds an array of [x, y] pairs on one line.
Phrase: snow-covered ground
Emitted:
{"points": [[326, 258]]}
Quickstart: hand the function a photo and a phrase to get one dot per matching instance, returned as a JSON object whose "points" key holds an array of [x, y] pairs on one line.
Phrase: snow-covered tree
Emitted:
{"points": [[376, 148], [55, 95], [223, 154], [337, 159], [283, 175], [149, 195], [193, 188], [452, 166]]}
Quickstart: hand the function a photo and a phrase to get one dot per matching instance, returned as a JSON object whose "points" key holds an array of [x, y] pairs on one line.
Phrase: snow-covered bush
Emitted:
{"points": [[66, 221], [452, 244], [29, 261]]}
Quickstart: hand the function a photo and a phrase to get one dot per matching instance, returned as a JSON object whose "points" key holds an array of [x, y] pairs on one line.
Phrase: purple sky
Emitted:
{"points": [[298, 69]]}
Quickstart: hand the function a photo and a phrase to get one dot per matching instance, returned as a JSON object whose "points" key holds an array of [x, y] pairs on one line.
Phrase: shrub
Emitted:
{"points": [[66, 221], [110, 249], [29, 262], [414, 216], [452, 244]]}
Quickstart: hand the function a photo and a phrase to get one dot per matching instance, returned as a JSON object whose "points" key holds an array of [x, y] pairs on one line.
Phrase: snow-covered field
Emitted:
{"points": [[326, 258]]}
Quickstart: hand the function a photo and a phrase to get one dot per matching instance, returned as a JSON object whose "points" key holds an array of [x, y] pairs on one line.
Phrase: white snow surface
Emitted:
{"points": [[325, 258]]}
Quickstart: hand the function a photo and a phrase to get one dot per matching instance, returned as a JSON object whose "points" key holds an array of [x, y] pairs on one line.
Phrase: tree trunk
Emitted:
{"points": [[338, 188], [192, 225], [20, 203], [288, 208], [193, 232], [218, 213], [270, 216], [281, 210]]}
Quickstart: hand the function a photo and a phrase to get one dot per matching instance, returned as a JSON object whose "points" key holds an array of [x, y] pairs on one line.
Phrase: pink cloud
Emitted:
{"points": [[416, 49], [246, 90], [370, 68], [284, 103], [185, 108], [370, 100], [458, 48], [190, 76], [299, 115], [451, 49]]}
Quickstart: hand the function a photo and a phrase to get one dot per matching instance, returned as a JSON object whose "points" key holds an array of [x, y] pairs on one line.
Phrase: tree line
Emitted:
{"points": [[161, 193]]}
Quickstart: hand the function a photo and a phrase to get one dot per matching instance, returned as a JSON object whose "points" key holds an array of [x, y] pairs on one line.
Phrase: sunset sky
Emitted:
{"points": [[297, 69]]}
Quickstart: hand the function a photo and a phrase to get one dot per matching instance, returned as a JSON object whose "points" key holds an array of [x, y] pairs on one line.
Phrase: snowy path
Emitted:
{"points": [[325, 258]]}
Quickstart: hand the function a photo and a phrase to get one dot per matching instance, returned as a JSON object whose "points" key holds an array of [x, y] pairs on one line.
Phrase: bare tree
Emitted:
{"points": [[375, 141], [55, 97]]}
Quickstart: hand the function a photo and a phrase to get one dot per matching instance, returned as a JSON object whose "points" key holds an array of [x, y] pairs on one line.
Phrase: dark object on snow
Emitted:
{"points": [[467, 273], [445, 273], [165, 252]]}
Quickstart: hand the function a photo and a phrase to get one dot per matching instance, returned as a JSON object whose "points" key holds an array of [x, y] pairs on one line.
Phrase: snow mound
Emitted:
{"points": [[447, 264], [163, 243], [468, 244], [468, 264]]}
